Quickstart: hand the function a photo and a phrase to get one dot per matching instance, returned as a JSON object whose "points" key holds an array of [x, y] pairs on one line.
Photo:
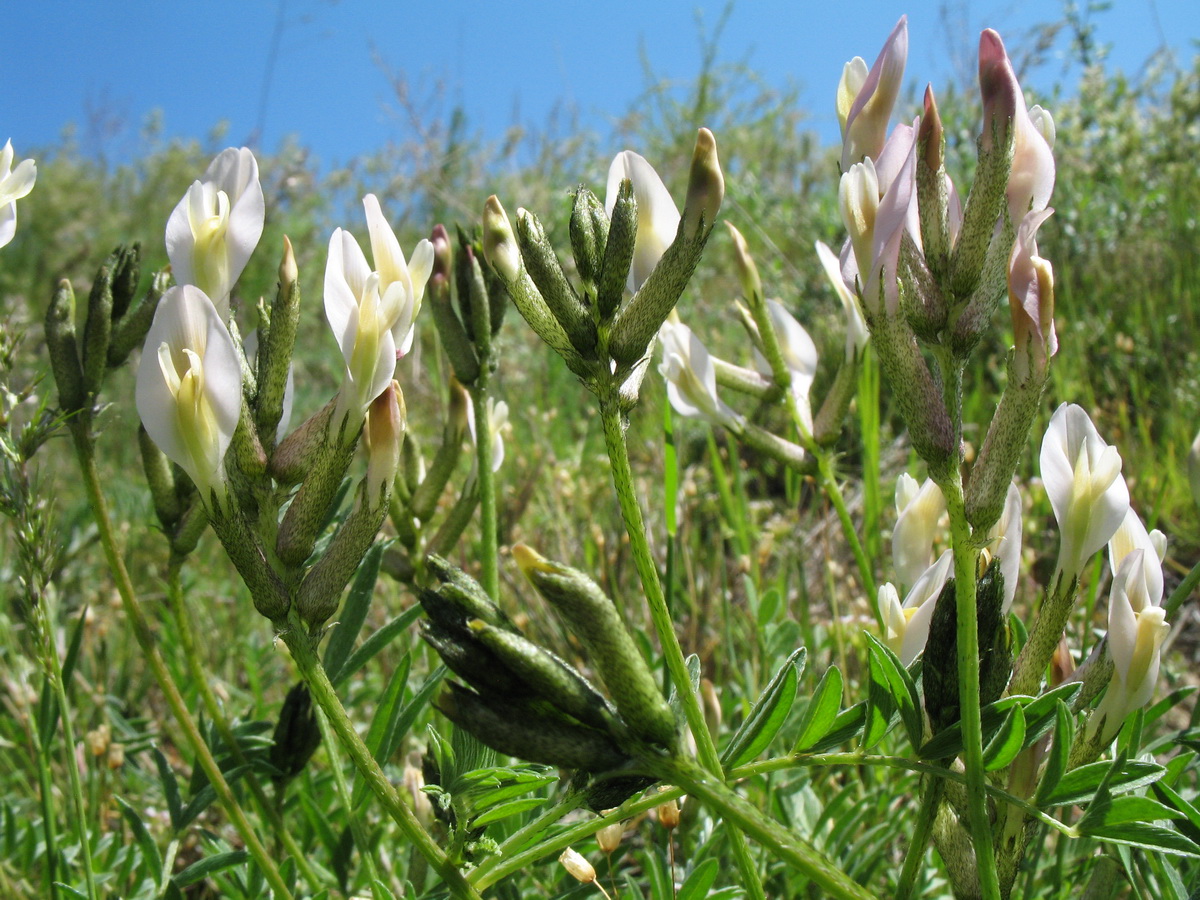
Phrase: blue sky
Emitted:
{"points": [[319, 69]]}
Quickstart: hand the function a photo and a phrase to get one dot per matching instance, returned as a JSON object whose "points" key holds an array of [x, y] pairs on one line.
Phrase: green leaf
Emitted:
{"points": [[371, 647], [821, 711], [1080, 785], [848, 723], [1191, 816], [504, 810], [1107, 811], [354, 612], [698, 884], [150, 852], [170, 786], [1041, 712], [1149, 837], [768, 714], [380, 891], [1060, 749], [209, 865], [1007, 742], [948, 742], [885, 668], [383, 722], [71, 892]]}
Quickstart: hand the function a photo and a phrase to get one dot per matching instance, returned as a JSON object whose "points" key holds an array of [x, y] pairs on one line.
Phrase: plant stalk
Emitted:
{"points": [[158, 667], [631, 511], [304, 652]]}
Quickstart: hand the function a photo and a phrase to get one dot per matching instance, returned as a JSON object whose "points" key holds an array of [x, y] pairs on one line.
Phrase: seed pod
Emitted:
{"points": [[594, 619], [470, 660], [97, 330], [461, 597], [297, 735], [521, 730], [541, 262], [547, 676]]}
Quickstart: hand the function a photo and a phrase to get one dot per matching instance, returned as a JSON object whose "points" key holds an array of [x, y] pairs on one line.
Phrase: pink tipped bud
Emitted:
{"points": [[384, 434], [866, 125], [999, 89], [443, 259], [931, 137]]}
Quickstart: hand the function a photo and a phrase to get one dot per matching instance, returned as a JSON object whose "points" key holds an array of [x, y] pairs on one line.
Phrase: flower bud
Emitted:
{"points": [[383, 436], [499, 243], [274, 360], [933, 201], [609, 837], [668, 814], [864, 128], [618, 250], [579, 868], [594, 619], [455, 340], [97, 330], [747, 271], [309, 512], [706, 188], [64, 350], [589, 235]]}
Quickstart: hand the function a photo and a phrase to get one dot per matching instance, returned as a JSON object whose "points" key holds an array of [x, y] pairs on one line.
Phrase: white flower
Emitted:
{"points": [[1083, 479], [1004, 543], [189, 386], [691, 378], [1136, 630], [856, 326], [14, 184], [920, 510], [658, 216], [1131, 536], [799, 355], [907, 626], [865, 99], [498, 422], [362, 315], [215, 227], [392, 268]]}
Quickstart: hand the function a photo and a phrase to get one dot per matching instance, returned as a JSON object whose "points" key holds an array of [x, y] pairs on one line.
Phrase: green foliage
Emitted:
{"points": [[756, 570]]}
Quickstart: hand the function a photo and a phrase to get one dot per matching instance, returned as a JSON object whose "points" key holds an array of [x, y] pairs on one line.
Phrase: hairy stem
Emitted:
{"points": [[158, 667], [200, 679], [622, 474], [304, 652]]}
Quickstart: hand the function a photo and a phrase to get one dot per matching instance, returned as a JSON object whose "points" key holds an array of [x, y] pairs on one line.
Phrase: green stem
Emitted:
{"points": [[802, 760], [738, 812], [931, 797], [304, 652], [158, 667], [519, 838], [343, 790], [46, 789], [965, 573], [485, 876], [489, 575], [635, 526], [833, 491], [200, 679], [54, 672]]}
